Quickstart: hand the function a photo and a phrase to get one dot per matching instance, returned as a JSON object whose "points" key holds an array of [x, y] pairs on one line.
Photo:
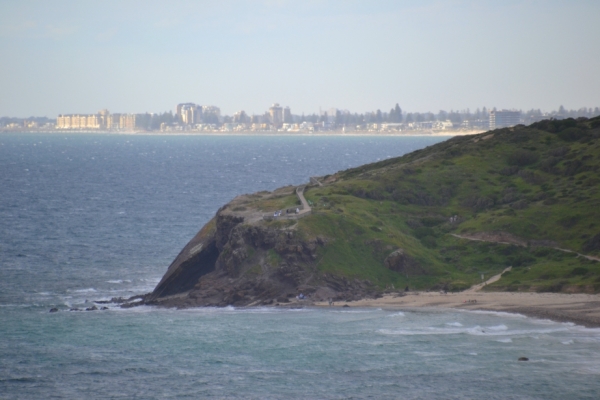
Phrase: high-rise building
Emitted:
{"points": [[276, 114], [180, 106], [504, 118], [287, 116], [211, 114], [127, 122], [103, 120], [113, 121]]}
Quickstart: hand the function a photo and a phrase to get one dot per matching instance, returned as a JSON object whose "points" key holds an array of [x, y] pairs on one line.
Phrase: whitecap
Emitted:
{"points": [[398, 314], [119, 281], [430, 331], [88, 290], [568, 342], [497, 313], [455, 324], [507, 340], [501, 327]]}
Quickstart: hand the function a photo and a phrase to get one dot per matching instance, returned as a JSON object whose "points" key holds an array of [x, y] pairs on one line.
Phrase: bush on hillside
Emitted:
{"points": [[571, 134], [522, 158]]}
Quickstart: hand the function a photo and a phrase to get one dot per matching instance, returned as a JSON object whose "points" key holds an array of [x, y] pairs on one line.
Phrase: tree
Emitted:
{"points": [[398, 113], [455, 117], [338, 118]]}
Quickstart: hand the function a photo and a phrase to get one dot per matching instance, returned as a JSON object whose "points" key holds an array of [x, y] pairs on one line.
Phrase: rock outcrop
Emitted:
{"points": [[238, 259], [399, 261]]}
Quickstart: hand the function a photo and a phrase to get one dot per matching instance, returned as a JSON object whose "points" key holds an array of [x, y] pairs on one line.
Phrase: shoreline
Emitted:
{"points": [[580, 309], [262, 133]]}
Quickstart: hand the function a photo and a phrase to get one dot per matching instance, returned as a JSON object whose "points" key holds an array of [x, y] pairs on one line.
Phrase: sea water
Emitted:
{"points": [[85, 217]]}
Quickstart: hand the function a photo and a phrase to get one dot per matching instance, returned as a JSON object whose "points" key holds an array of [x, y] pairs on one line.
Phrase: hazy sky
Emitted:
{"points": [[137, 56]]}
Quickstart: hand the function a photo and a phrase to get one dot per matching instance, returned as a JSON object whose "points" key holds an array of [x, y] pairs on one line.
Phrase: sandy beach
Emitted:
{"points": [[581, 309]]}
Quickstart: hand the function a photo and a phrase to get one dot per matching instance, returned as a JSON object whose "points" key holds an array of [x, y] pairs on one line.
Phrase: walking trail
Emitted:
{"points": [[519, 242], [495, 278]]}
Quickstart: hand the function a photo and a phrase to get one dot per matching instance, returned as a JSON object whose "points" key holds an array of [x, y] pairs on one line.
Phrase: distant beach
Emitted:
{"points": [[581, 309]]}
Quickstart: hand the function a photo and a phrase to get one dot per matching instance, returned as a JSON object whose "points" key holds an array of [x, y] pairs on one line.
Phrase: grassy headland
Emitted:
{"points": [[469, 206]]}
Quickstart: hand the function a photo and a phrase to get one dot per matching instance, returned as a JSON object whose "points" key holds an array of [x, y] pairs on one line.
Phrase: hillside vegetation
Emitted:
{"points": [[535, 188]]}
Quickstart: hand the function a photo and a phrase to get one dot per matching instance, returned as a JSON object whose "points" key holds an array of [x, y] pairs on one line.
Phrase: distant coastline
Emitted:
{"points": [[254, 133]]}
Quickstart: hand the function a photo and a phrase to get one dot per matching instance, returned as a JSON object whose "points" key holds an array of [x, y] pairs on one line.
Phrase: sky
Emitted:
{"points": [[67, 56]]}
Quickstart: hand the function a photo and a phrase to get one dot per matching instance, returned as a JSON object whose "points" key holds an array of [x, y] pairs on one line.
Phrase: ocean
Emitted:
{"points": [[88, 217]]}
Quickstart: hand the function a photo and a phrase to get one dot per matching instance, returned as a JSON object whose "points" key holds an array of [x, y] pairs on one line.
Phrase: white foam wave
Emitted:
{"points": [[87, 290], [507, 340], [492, 331], [498, 328], [455, 324], [398, 314], [119, 281], [498, 313]]}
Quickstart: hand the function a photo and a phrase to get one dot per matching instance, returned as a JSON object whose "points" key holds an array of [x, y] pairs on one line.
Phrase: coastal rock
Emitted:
{"points": [[92, 308], [53, 309], [401, 262], [523, 359]]}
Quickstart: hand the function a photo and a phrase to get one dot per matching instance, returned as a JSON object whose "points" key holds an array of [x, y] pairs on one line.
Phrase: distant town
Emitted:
{"points": [[194, 118]]}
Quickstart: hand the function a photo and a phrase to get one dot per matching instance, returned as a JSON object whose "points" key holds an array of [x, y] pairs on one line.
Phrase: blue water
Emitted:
{"points": [[88, 217]]}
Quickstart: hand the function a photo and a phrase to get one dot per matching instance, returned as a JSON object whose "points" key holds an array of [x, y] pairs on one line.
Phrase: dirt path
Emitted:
{"points": [[305, 207], [495, 278], [513, 240]]}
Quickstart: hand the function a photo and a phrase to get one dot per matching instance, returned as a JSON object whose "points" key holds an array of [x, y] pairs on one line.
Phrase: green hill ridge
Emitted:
{"points": [[434, 219]]}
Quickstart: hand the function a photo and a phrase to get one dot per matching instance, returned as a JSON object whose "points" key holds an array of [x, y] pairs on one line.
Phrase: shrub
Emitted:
{"points": [[571, 134], [522, 158], [579, 271]]}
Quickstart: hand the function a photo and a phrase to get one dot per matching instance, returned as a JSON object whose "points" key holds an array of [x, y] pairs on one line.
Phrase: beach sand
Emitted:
{"points": [[581, 309]]}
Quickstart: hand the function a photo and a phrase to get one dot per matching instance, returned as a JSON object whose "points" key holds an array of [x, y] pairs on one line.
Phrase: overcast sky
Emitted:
{"points": [[137, 56]]}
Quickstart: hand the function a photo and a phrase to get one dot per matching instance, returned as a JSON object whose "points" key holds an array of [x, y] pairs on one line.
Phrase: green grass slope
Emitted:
{"points": [[537, 185]]}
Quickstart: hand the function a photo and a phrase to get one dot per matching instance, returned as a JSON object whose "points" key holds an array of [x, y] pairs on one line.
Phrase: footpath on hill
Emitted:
{"points": [[506, 238]]}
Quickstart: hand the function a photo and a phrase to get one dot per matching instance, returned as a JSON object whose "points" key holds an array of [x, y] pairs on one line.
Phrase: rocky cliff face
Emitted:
{"points": [[237, 259]]}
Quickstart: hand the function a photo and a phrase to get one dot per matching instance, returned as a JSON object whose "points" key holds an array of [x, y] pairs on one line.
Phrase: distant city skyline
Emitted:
{"points": [[147, 56], [190, 117]]}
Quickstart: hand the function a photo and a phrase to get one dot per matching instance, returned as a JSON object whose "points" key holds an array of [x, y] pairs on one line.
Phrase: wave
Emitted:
{"points": [[87, 290], [119, 281], [497, 313], [398, 314], [498, 330]]}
